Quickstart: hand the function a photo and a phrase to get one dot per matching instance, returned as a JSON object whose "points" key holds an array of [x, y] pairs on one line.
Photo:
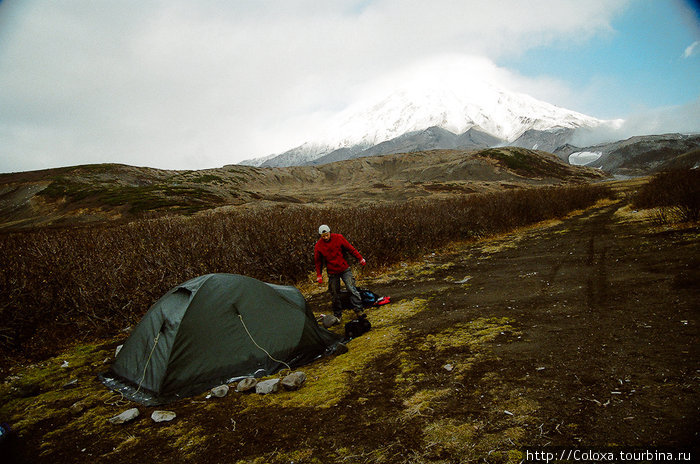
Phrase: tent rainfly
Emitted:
{"points": [[215, 329]]}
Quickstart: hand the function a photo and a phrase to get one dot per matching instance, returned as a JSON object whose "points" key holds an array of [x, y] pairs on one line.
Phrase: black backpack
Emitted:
{"points": [[357, 327]]}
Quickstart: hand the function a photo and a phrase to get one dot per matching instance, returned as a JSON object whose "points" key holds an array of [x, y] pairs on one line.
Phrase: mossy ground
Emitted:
{"points": [[561, 335]]}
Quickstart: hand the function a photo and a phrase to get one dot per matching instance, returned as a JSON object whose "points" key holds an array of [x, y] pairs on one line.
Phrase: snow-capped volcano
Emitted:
{"points": [[501, 113], [448, 105]]}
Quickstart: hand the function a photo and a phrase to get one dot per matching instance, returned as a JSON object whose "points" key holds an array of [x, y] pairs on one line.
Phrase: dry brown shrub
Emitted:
{"points": [[85, 283], [676, 194]]}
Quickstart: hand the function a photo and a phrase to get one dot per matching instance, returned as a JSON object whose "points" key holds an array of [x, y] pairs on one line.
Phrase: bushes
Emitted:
{"points": [[676, 194], [89, 282]]}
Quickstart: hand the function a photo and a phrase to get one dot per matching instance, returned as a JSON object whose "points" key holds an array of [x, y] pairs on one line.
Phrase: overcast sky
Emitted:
{"points": [[181, 84]]}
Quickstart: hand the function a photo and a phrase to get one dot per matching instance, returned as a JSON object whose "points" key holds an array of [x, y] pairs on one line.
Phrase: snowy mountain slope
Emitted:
{"points": [[257, 161], [546, 140], [432, 138], [495, 111]]}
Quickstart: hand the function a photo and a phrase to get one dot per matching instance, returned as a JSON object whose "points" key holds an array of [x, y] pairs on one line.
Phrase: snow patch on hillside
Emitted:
{"points": [[581, 158]]}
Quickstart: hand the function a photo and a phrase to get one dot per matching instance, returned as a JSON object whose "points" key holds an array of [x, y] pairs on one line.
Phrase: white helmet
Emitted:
{"points": [[323, 229]]}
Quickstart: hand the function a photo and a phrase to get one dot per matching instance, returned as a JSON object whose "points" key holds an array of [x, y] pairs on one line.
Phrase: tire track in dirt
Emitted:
{"points": [[600, 349]]}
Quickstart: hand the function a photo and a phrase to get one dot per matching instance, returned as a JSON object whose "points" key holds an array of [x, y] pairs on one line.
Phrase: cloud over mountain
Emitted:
{"points": [[453, 93], [199, 84]]}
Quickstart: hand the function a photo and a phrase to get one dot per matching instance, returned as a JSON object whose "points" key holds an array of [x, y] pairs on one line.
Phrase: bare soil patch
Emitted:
{"points": [[578, 333]]}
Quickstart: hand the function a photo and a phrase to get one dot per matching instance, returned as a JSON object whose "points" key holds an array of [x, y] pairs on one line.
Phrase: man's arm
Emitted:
{"points": [[318, 261], [345, 244]]}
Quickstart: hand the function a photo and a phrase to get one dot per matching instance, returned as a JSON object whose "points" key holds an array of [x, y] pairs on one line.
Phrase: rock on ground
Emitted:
{"points": [[220, 391], [267, 386], [294, 380], [163, 416], [126, 416], [78, 407], [329, 320], [246, 384]]}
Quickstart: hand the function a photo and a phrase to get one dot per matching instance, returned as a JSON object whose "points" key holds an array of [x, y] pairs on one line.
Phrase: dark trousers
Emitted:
{"points": [[334, 289]]}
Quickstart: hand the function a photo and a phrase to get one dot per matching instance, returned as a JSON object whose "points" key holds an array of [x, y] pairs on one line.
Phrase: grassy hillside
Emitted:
{"points": [[95, 193]]}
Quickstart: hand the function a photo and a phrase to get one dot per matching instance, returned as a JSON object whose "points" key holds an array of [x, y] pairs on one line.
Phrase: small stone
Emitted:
{"points": [[246, 384], [163, 416], [448, 367], [329, 320], [126, 416], [267, 386], [72, 384], [294, 380], [78, 407], [340, 348], [65, 364], [220, 391]]}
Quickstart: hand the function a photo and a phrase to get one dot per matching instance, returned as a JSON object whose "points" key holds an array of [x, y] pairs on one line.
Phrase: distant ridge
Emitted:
{"points": [[107, 192], [432, 138], [639, 155]]}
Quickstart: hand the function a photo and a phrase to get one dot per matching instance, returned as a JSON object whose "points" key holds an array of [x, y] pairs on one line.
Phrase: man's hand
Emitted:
{"points": [[319, 279], [363, 262]]}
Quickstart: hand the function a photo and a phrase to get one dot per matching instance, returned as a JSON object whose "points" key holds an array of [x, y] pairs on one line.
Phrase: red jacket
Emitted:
{"points": [[332, 252]]}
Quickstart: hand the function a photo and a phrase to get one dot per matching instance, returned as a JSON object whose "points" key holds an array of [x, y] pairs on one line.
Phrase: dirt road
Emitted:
{"points": [[605, 310]]}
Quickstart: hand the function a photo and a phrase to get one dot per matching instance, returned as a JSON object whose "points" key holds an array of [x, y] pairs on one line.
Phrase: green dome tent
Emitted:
{"points": [[216, 329]]}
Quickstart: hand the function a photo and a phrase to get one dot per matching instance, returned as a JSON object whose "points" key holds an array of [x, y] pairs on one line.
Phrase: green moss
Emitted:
{"points": [[423, 400], [330, 379], [185, 437], [407, 369], [63, 187], [304, 455], [450, 436], [513, 159], [139, 199], [92, 422], [207, 178], [414, 270], [469, 442], [258, 460], [37, 393], [524, 162], [472, 334]]}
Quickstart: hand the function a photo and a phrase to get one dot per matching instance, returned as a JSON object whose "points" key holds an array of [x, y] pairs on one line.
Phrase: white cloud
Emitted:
{"points": [[691, 50], [177, 84], [684, 119]]}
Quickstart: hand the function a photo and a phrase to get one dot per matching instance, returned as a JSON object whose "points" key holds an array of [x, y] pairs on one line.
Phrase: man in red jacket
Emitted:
{"points": [[331, 248]]}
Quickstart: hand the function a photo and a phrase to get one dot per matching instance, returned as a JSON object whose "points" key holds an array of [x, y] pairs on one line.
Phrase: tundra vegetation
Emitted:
{"points": [[435, 381], [673, 195], [87, 282]]}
